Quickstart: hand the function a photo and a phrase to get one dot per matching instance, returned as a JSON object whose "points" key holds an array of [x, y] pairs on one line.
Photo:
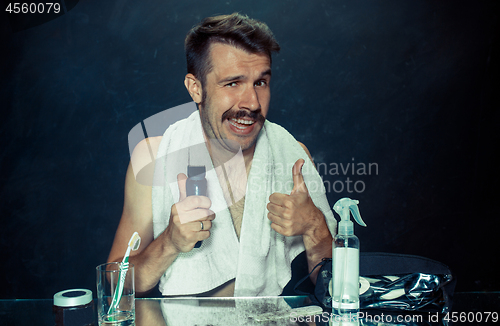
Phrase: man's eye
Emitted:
{"points": [[231, 84], [261, 83]]}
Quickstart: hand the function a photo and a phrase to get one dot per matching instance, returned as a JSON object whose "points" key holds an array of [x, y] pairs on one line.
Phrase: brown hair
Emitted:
{"points": [[237, 30]]}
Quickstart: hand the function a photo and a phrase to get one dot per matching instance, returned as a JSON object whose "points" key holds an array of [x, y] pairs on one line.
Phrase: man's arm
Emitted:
{"points": [[296, 214], [154, 256], [319, 243]]}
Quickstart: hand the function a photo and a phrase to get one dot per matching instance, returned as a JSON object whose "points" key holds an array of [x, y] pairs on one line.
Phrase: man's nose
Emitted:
{"points": [[250, 99]]}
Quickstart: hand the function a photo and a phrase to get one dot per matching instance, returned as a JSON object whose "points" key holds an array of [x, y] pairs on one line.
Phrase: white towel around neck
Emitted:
{"points": [[260, 260]]}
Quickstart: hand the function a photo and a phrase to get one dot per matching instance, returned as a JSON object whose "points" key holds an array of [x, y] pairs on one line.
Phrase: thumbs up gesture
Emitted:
{"points": [[294, 214]]}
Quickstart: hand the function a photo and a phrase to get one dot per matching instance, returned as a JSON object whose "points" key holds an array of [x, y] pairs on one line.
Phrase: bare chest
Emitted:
{"points": [[236, 211]]}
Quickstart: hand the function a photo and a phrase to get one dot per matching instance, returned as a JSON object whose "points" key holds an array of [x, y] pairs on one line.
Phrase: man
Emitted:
{"points": [[229, 73]]}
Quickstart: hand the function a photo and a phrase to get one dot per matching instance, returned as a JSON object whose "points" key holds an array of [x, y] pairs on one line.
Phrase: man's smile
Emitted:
{"points": [[241, 126], [243, 122]]}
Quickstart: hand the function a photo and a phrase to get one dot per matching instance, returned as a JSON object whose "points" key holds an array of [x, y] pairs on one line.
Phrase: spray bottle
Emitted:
{"points": [[345, 297]]}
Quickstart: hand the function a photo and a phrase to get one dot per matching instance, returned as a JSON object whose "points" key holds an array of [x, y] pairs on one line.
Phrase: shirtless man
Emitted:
{"points": [[231, 87]]}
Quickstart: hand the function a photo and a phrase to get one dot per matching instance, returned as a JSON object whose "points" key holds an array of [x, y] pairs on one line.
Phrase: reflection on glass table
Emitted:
{"points": [[216, 311], [255, 311]]}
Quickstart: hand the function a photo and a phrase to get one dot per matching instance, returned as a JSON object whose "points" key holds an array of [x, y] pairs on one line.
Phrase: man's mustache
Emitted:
{"points": [[254, 115]]}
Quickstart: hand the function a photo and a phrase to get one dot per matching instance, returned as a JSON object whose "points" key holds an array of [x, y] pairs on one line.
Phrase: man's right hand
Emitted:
{"points": [[184, 228]]}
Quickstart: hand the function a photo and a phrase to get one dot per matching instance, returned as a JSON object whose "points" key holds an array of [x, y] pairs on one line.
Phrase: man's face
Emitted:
{"points": [[237, 97]]}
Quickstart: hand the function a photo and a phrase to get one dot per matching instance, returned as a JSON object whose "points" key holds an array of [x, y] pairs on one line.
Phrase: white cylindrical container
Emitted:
{"points": [[345, 260]]}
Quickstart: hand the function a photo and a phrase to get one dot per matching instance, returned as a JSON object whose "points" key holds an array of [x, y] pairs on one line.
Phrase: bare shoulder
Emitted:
{"points": [[146, 149], [307, 151], [143, 159]]}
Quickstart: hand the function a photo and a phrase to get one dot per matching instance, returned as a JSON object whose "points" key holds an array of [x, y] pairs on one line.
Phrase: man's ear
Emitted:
{"points": [[193, 86]]}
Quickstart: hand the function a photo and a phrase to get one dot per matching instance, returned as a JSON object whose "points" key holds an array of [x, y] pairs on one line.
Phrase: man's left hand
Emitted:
{"points": [[294, 214]]}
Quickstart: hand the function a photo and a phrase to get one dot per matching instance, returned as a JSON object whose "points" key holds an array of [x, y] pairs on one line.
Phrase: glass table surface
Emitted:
{"points": [[468, 308]]}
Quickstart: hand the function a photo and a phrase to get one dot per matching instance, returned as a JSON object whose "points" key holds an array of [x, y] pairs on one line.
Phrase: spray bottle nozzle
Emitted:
{"points": [[344, 207]]}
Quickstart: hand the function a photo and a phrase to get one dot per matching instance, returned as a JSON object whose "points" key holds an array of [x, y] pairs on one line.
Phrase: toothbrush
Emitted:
{"points": [[133, 244]]}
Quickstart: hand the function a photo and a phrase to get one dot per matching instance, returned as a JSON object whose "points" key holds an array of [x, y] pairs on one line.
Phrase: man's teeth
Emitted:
{"points": [[241, 122], [244, 122]]}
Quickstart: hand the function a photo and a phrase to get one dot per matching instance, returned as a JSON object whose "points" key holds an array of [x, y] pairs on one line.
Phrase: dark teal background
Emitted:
{"points": [[408, 85]]}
